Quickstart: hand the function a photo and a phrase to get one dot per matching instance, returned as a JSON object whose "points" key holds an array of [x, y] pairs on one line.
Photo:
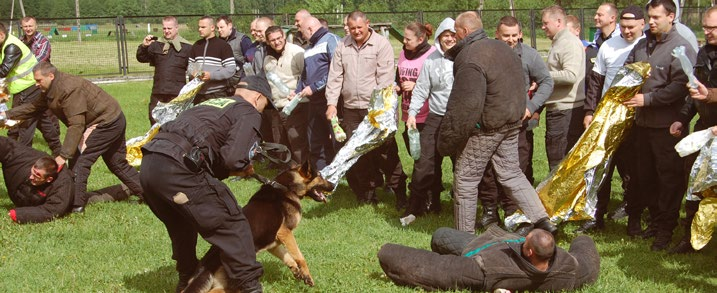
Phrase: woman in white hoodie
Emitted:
{"points": [[434, 84]]}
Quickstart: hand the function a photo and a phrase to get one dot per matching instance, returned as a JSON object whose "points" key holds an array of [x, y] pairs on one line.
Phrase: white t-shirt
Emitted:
{"points": [[611, 57]]}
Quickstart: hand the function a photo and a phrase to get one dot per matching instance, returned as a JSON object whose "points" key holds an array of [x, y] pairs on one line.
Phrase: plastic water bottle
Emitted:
{"points": [[339, 133], [405, 221], [414, 143], [276, 81], [291, 105], [248, 70]]}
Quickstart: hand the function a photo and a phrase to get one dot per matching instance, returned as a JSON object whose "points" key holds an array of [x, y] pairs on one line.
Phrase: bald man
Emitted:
{"points": [[483, 117], [212, 59], [312, 84], [299, 38], [257, 51], [495, 259]]}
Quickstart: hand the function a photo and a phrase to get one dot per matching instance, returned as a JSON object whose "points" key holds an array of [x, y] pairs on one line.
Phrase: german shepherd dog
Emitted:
{"points": [[273, 213]]}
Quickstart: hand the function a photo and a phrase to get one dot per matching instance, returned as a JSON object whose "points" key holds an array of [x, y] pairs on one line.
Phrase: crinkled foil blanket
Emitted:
{"points": [[379, 125], [570, 192], [163, 113], [702, 184]]}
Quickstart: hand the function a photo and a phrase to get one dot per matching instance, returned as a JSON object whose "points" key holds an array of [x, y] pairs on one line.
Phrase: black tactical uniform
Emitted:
{"points": [[181, 172]]}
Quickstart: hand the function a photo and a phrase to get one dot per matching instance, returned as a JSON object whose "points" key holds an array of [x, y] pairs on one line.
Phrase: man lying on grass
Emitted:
{"points": [[38, 189]]}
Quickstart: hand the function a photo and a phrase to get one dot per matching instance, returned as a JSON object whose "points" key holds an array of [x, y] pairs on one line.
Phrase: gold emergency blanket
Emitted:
{"points": [[163, 113], [570, 192], [379, 125], [702, 184]]}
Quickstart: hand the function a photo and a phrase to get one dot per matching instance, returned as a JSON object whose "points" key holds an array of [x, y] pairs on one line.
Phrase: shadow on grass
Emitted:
{"points": [[161, 279]]}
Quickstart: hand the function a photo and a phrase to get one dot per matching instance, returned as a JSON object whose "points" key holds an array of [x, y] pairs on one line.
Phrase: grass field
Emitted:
{"points": [[122, 247]]}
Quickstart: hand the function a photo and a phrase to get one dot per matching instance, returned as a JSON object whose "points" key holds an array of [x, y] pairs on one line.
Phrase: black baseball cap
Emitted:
{"points": [[256, 83], [632, 12]]}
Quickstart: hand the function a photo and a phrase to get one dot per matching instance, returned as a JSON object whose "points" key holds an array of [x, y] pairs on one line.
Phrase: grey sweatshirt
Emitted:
{"points": [[435, 80], [534, 70]]}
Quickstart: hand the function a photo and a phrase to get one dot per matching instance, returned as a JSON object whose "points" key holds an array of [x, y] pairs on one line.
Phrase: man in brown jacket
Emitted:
{"points": [[362, 62], [95, 127]]}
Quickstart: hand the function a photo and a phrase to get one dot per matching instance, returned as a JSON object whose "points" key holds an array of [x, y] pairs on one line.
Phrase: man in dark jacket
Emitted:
{"points": [[182, 169], [534, 71], [95, 127], [169, 56], [659, 170], [39, 191], [484, 111], [493, 260], [702, 102]]}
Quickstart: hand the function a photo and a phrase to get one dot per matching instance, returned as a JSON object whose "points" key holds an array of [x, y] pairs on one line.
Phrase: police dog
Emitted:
{"points": [[273, 213]]}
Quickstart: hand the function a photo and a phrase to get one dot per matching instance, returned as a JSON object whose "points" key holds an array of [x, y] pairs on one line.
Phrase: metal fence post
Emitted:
{"points": [[121, 37], [533, 37], [582, 23]]}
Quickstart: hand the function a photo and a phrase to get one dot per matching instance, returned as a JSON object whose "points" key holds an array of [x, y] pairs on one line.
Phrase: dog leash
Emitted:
{"points": [[269, 182]]}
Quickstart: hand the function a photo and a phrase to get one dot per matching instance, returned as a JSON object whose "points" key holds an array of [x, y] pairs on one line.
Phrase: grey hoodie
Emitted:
{"points": [[436, 78]]}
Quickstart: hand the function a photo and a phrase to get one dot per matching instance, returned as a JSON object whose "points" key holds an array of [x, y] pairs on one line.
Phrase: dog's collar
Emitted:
{"points": [[271, 183]]}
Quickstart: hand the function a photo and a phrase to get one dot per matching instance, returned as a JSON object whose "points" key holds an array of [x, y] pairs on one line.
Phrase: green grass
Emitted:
{"points": [[122, 247]]}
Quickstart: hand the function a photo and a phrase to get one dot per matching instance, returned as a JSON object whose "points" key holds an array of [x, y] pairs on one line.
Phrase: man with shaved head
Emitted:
{"points": [[492, 260], [485, 110], [299, 19], [257, 51], [211, 59], [606, 24], [312, 84]]}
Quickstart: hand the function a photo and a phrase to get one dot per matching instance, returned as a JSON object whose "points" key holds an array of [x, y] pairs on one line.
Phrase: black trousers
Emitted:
{"points": [[367, 173], [191, 204], [107, 141], [563, 128], [45, 121], [427, 170], [624, 160], [660, 179], [153, 100]]}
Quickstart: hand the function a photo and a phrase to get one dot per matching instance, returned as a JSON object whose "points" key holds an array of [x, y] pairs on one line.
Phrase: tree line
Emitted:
{"points": [[111, 8]]}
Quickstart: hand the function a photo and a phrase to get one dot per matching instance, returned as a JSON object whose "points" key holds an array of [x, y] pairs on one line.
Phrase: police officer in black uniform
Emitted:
{"points": [[181, 174]]}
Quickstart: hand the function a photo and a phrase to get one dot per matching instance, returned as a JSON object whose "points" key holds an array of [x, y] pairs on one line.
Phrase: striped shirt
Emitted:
{"points": [[40, 46], [216, 57]]}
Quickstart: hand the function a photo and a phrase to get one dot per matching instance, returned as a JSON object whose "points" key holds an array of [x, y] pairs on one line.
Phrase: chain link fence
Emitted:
{"points": [[105, 47]]}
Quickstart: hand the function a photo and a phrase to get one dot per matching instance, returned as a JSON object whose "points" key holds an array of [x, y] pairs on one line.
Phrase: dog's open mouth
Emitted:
{"points": [[318, 195]]}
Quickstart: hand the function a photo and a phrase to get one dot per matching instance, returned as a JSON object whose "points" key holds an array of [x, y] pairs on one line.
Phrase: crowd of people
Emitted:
{"points": [[472, 97]]}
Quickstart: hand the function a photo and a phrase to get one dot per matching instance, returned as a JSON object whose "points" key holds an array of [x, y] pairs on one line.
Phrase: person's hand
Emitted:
{"points": [[60, 160], [411, 122], [147, 40], [290, 96], [330, 112], [533, 86], [587, 120], [407, 86], [637, 101], [676, 129], [700, 93], [307, 92], [205, 76], [526, 116], [536, 116], [714, 130]]}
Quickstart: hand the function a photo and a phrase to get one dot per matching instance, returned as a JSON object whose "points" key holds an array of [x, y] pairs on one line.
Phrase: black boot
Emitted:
{"points": [[434, 204], [662, 240], [490, 215], [592, 225], [634, 226], [684, 246], [546, 225]]}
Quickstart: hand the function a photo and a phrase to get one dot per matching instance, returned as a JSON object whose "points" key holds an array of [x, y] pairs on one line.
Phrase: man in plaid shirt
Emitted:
{"points": [[38, 44]]}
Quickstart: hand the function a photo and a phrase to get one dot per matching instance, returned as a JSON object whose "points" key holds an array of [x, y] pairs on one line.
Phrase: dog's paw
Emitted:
{"points": [[308, 280]]}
